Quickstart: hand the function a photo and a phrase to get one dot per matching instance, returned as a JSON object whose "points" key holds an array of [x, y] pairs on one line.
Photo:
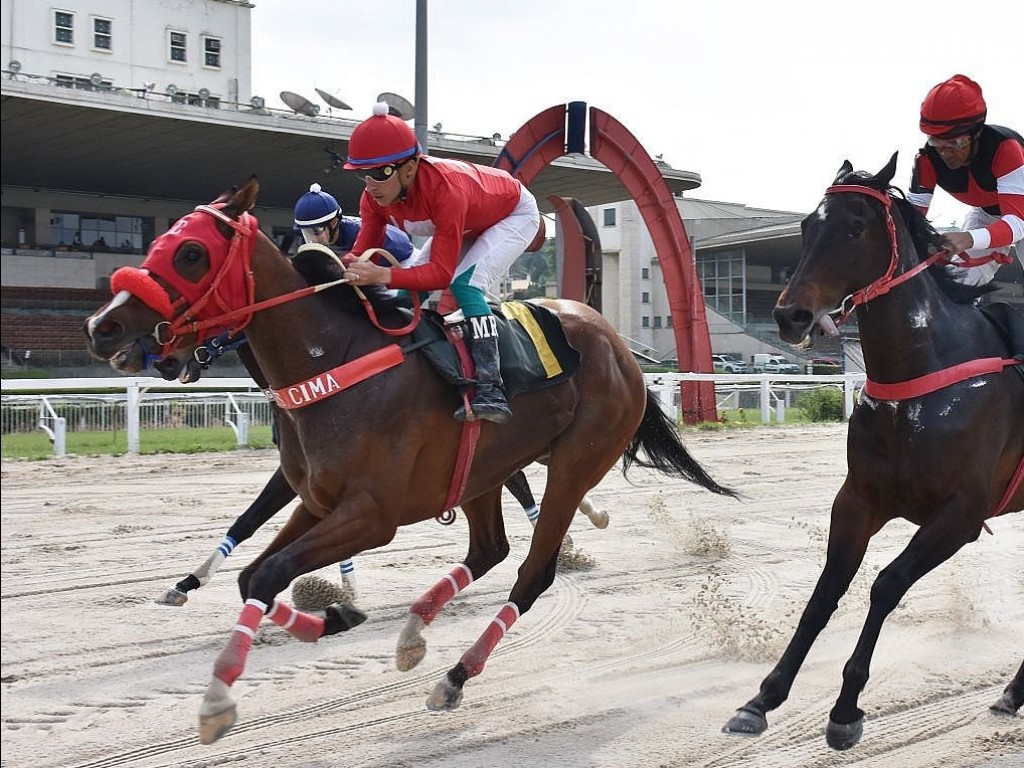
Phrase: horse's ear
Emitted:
{"points": [[845, 169], [242, 199], [885, 175]]}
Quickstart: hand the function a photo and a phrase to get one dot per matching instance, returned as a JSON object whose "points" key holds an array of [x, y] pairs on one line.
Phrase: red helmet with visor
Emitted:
{"points": [[383, 139], [952, 108]]}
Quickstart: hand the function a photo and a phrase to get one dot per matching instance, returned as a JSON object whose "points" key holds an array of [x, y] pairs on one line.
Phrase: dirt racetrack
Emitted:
{"points": [[635, 663]]}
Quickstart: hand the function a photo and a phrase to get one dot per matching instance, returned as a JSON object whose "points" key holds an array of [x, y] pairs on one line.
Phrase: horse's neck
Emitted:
{"points": [[912, 330]]}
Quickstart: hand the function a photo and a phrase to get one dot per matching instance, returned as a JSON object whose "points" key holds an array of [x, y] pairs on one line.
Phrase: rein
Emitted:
{"points": [[167, 334]]}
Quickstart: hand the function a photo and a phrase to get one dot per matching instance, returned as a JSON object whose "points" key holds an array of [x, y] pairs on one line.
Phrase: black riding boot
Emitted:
{"points": [[489, 401]]}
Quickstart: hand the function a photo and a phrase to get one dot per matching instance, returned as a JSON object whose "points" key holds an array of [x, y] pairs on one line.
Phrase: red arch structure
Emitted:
{"points": [[559, 131]]}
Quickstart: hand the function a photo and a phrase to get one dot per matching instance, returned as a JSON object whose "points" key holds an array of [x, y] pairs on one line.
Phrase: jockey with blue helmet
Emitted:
{"points": [[319, 219]]}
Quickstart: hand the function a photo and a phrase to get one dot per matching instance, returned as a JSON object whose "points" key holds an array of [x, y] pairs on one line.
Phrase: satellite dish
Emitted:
{"points": [[398, 106], [300, 104], [96, 79], [438, 127], [14, 66], [332, 100], [204, 93], [149, 86]]}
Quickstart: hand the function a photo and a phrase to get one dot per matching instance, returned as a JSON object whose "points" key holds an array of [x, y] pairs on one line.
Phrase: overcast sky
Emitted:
{"points": [[763, 99]]}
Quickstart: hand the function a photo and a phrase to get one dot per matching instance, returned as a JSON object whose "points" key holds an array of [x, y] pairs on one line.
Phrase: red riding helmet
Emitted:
{"points": [[380, 140], [953, 107]]}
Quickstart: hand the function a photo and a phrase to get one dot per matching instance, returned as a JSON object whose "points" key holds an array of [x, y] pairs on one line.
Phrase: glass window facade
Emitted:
{"points": [[724, 283]]}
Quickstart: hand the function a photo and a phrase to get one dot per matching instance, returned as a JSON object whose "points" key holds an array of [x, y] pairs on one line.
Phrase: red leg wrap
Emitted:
{"points": [[475, 658], [305, 626], [231, 661], [428, 606]]}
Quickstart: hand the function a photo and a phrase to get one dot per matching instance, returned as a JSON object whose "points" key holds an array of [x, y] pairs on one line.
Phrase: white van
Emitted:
{"points": [[774, 364]]}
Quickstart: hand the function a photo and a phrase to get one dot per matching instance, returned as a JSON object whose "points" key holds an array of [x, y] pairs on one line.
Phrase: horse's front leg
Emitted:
{"points": [[931, 546], [271, 500], [536, 574], [304, 544], [1013, 695], [488, 546], [851, 528]]}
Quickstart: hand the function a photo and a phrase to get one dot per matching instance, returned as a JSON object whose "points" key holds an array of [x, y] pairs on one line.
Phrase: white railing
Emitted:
{"points": [[136, 403]]}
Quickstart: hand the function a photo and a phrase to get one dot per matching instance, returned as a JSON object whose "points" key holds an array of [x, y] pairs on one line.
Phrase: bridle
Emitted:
{"points": [[886, 282], [189, 320]]}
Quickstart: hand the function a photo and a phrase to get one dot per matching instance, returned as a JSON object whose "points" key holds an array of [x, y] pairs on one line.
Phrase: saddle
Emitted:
{"points": [[532, 347]]}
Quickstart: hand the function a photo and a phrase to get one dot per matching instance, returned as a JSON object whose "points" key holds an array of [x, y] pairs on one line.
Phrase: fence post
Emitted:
{"points": [[766, 405], [848, 396], [132, 421]]}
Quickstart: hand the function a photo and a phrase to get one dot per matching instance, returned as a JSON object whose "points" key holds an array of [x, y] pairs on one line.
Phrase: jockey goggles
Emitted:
{"points": [[951, 145], [318, 233], [380, 173]]}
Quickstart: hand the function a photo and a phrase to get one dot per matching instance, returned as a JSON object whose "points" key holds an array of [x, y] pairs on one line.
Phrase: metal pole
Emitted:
{"points": [[421, 74]]}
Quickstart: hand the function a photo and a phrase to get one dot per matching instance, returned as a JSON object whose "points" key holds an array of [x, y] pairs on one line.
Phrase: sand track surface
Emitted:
{"points": [[635, 662]]}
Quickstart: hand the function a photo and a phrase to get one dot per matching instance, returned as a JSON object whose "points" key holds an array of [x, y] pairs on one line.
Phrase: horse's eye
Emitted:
{"points": [[856, 230], [192, 253]]}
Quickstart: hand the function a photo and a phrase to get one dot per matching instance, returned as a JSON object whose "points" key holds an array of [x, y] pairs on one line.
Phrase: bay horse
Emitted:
{"points": [[380, 451], [937, 437]]}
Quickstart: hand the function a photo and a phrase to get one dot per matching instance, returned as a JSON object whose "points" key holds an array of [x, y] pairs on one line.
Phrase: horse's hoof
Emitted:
{"points": [[445, 696], [173, 597], [409, 655], [1004, 706], [341, 617], [746, 723], [212, 727], [841, 736]]}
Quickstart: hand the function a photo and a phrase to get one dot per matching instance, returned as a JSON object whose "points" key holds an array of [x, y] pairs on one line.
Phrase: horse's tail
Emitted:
{"points": [[660, 441]]}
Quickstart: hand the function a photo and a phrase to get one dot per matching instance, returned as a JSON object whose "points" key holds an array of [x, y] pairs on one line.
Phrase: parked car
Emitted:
{"points": [[764, 363], [826, 365], [726, 364]]}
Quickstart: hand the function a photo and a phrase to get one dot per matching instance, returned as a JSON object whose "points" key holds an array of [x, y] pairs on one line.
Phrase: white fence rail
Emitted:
{"points": [[60, 406]]}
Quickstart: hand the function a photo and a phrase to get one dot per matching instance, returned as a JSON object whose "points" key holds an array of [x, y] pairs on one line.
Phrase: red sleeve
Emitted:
{"points": [[448, 207], [373, 226], [922, 183]]}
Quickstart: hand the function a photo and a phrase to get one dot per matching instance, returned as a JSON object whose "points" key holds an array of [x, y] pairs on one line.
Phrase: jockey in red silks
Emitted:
{"points": [[478, 220], [979, 164]]}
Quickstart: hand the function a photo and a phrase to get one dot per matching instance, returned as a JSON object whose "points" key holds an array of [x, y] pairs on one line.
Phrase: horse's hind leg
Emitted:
{"points": [[488, 546], [1013, 695], [536, 574], [850, 530], [272, 499], [931, 546]]}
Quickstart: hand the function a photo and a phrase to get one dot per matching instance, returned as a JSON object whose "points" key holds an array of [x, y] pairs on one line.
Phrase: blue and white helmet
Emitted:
{"points": [[315, 208]]}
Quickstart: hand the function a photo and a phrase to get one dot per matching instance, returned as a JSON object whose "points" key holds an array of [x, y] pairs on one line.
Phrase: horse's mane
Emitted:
{"points": [[317, 268], [926, 239]]}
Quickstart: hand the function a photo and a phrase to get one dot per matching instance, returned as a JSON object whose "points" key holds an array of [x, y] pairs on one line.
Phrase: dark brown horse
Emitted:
{"points": [[941, 450], [380, 451]]}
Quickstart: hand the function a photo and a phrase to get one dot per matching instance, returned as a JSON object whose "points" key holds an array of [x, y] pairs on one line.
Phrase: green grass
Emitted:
{"points": [[37, 445]]}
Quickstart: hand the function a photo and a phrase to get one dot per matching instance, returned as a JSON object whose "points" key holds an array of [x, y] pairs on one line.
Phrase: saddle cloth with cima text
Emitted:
{"points": [[533, 350]]}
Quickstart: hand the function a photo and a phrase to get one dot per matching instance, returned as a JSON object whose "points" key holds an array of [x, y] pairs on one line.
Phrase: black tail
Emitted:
{"points": [[660, 441]]}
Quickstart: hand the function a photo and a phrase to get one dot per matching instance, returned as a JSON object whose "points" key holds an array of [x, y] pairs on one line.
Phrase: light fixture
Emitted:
{"points": [[257, 102], [14, 66], [171, 89], [96, 79], [496, 136], [204, 93]]}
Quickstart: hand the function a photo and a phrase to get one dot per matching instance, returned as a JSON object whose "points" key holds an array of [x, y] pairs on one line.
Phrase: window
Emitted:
{"points": [[645, 298], [657, 321], [668, 321], [645, 273], [64, 27], [85, 231], [101, 34], [211, 52], [82, 83], [609, 217], [178, 49], [645, 322]]}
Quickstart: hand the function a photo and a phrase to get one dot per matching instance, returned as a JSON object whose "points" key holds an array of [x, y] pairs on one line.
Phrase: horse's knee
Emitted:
{"points": [[890, 585]]}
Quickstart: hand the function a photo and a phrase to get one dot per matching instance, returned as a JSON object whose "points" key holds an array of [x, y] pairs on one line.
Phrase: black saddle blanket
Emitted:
{"points": [[531, 344]]}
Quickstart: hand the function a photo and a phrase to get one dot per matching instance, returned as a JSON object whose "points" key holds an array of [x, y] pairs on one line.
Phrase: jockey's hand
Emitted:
{"points": [[348, 258], [367, 273], [957, 242]]}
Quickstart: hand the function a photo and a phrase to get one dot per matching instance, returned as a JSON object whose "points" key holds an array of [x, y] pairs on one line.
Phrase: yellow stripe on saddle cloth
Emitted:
{"points": [[533, 349], [516, 310]]}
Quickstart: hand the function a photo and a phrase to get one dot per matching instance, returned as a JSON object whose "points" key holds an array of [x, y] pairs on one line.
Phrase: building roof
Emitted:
{"points": [[141, 144]]}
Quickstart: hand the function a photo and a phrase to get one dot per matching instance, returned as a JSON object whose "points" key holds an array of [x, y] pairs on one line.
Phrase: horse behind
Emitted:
{"points": [[380, 451], [937, 437]]}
